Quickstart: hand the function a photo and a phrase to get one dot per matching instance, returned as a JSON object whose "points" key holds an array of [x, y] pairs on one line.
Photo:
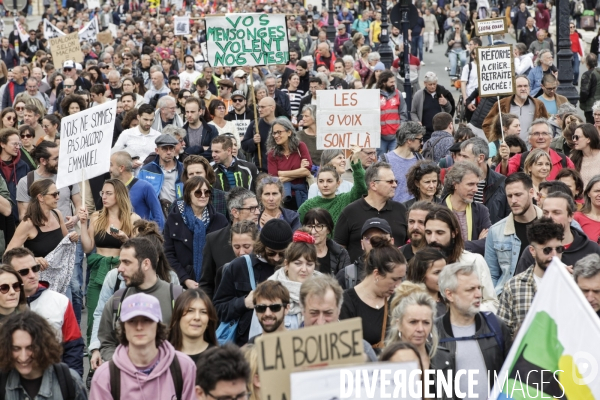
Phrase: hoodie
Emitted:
{"points": [[137, 385], [542, 17], [12, 174]]}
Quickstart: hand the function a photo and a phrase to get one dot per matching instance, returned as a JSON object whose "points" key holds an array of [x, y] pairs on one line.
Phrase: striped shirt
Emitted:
{"points": [[479, 195], [295, 97]]}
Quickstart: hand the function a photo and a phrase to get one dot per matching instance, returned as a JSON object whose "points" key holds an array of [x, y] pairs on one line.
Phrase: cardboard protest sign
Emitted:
{"points": [[368, 381], [65, 48], [490, 26], [280, 354], [89, 31], [347, 118], [113, 29], [105, 37], [495, 70], [85, 143], [182, 25], [247, 40]]}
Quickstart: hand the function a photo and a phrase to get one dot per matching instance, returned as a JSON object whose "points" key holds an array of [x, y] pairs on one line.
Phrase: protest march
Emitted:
{"points": [[269, 200]]}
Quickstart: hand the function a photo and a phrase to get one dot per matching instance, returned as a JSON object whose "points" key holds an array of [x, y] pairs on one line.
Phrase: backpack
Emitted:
{"points": [[579, 8], [492, 322], [350, 276], [385, 158], [120, 294], [563, 158], [65, 381], [115, 378], [30, 179], [428, 152]]}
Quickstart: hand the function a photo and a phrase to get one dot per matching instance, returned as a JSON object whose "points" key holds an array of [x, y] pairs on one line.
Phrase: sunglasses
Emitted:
{"points": [[19, 108], [237, 100], [24, 272], [67, 69], [55, 194], [16, 287], [68, 86], [10, 118], [26, 136], [262, 308], [558, 249], [200, 193], [576, 138], [271, 253]]}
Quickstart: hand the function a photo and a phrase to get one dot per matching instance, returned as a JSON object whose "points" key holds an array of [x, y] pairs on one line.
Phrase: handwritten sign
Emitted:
{"points": [[65, 48], [280, 354], [490, 26], [105, 37], [85, 140], [89, 31], [247, 40], [347, 118], [51, 31], [182, 25], [241, 125], [93, 4], [496, 70]]}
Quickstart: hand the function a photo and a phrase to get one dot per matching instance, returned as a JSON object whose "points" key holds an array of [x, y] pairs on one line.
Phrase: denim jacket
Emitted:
{"points": [[49, 390], [502, 248]]}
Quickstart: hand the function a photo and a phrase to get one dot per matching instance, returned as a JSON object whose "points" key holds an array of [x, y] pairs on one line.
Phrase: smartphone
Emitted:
{"points": [[113, 230]]}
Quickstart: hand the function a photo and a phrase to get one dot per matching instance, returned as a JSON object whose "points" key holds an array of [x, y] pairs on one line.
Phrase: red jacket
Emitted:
{"points": [[331, 65], [515, 162]]}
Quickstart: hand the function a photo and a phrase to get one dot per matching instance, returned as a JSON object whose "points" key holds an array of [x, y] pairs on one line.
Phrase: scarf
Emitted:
{"points": [[9, 171], [293, 287], [198, 227], [469, 215]]}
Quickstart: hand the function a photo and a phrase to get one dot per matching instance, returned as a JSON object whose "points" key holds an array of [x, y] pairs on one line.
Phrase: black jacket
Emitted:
{"points": [[217, 252], [284, 101], [249, 146], [338, 257], [179, 241], [244, 172], [494, 196], [491, 351], [10, 58], [580, 248], [482, 111], [209, 132], [442, 91], [481, 221], [359, 264], [231, 293]]}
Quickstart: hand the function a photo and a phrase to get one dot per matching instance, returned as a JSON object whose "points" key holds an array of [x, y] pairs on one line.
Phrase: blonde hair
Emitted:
{"points": [[251, 356], [533, 157], [124, 206]]}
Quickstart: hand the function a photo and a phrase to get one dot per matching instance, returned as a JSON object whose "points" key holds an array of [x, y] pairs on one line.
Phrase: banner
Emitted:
{"points": [[23, 34], [347, 118], [89, 31], [280, 354], [554, 353], [65, 48], [247, 40], [182, 25], [85, 143], [241, 125], [496, 70], [490, 26], [93, 4], [51, 31]]}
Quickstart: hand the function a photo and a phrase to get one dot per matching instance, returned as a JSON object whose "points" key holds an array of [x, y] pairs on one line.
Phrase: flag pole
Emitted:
{"points": [[255, 118]]}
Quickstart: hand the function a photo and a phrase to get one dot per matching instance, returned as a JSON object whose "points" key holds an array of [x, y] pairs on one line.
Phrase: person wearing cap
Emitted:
{"points": [[240, 80], [341, 37], [29, 47], [70, 71], [234, 296], [430, 101], [239, 112], [225, 93], [381, 188], [144, 358]]}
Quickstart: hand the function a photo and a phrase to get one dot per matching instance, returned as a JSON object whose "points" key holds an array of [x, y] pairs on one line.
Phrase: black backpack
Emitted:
{"points": [[115, 378], [30, 179], [65, 381]]}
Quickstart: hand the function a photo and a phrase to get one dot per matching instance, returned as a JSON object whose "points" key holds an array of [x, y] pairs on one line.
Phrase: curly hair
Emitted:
{"points": [[72, 98], [45, 347], [129, 117], [457, 173], [543, 230], [417, 172]]}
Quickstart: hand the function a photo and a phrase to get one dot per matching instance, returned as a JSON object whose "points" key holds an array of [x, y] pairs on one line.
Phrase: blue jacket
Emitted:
{"points": [[10, 58], [348, 18], [535, 80], [502, 250], [11, 91], [209, 132], [153, 174], [145, 201]]}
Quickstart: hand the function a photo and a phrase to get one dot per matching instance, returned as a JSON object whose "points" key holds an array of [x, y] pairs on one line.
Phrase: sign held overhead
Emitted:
{"points": [[490, 26], [65, 48], [496, 70]]}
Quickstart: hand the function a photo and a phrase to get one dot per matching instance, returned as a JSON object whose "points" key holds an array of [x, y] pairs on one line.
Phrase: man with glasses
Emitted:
{"points": [[549, 97], [252, 140], [68, 89], [166, 114], [242, 206], [225, 91], [29, 47], [271, 304], [53, 306], [222, 374], [70, 71], [234, 299], [378, 203], [190, 75], [280, 98], [240, 114], [13, 88], [128, 62], [545, 242], [115, 85]]}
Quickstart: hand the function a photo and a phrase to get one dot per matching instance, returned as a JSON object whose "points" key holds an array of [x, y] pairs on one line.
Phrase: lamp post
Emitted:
{"points": [[330, 23], [404, 7], [564, 53], [385, 51]]}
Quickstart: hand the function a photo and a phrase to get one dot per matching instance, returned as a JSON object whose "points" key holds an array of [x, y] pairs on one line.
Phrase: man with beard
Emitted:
{"points": [[479, 341], [146, 64], [507, 239], [199, 134], [128, 104], [190, 75], [69, 89], [229, 170], [139, 141], [393, 114], [234, 299], [560, 207], [442, 231], [174, 86], [241, 115], [416, 228], [138, 262], [271, 304], [166, 114], [545, 242]]}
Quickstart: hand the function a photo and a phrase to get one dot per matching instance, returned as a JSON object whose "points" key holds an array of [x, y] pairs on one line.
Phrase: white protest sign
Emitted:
{"points": [[51, 31], [490, 26], [85, 143], [23, 34], [347, 118], [368, 381], [495, 70], [89, 31], [247, 40], [113, 29], [241, 125], [182, 25], [93, 4]]}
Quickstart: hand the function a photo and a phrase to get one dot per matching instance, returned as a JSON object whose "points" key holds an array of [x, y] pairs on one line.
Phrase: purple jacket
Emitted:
{"points": [[137, 385]]}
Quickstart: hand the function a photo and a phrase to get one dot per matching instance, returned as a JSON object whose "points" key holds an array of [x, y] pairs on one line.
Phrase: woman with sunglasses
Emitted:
{"points": [[423, 182], [43, 226], [186, 228], [586, 151], [12, 294], [50, 124], [218, 111], [19, 106], [269, 193], [108, 229], [8, 118], [193, 324], [328, 181], [331, 257], [27, 134]]}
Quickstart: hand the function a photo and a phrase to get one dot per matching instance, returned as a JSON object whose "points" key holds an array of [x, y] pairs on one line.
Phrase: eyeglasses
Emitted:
{"points": [[251, 209], [317, 228], [241, 396], [16, 287], [199, 193], [19, 108], [389, 181], [576, 138], [278, 133], [420, 139], [540, 134], [10, 118], [25, 271], [558, 249], [238, 100], [68, 86], [271, 253], [262, 308], [55, 194], [26, 136], [221, 108], [370, 153]]}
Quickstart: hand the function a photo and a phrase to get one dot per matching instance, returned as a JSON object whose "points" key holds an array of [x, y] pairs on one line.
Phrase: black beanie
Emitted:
{"points": [[276, 234]]}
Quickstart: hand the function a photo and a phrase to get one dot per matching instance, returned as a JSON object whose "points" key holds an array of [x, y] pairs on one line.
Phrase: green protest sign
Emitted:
{"points": [[246, 40]]}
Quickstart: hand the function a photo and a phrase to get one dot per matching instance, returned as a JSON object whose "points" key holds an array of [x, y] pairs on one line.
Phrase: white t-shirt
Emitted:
{"points": [[472, 81], [187, 79], [136, 143]]}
